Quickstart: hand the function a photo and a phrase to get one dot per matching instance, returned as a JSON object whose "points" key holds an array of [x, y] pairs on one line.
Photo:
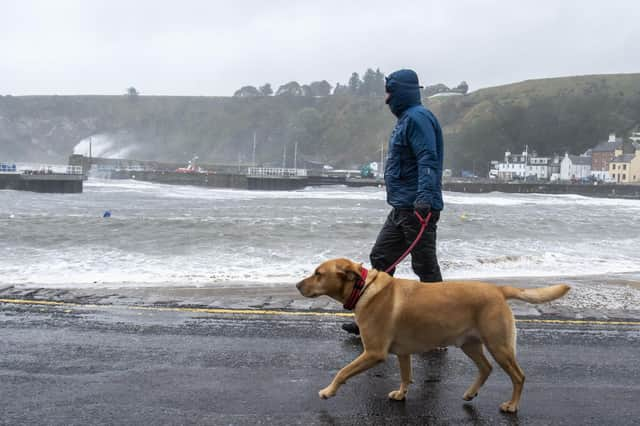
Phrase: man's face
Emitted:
{"points": [[387, 96]]}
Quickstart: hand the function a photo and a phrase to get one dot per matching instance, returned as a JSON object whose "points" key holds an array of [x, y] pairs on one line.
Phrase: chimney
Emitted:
{"points": [[612, 137]]}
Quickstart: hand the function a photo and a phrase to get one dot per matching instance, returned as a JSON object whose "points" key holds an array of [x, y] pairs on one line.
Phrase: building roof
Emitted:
{"points": [[580, 160], [626, 158], [607, 146]]}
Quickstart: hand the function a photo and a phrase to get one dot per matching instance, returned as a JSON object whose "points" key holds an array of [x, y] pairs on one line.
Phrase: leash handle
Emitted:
{"points": [[424, 222]]}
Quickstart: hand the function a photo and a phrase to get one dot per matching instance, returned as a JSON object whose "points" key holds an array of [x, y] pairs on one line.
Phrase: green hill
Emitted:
{"points": [[549, 115]]}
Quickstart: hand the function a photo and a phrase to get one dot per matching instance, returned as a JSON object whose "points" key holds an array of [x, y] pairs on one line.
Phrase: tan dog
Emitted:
{"points": [[404, 316]]}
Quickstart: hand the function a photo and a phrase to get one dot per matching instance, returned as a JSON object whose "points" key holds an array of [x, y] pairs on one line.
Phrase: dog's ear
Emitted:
{"points": [[349, 271]]}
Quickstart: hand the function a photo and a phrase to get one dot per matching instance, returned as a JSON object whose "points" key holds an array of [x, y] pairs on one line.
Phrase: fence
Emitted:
{"points": [[276, 172], [46, 169]]}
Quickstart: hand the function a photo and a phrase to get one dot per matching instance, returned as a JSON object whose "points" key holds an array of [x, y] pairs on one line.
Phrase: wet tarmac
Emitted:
{"points": [[118, 365]]}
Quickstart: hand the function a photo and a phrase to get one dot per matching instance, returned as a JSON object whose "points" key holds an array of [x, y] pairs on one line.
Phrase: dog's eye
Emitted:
{"points": [[317, 274]]}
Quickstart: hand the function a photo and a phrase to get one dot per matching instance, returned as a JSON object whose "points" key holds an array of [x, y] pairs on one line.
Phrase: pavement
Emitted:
{"points": [[126, 362], [591, 297]]}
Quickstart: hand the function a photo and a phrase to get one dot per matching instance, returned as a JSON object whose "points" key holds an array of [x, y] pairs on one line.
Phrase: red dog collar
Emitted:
{"points": [[357, 291]]}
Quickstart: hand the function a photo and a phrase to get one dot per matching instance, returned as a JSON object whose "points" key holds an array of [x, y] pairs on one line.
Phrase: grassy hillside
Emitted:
{"points": [[550, 115]]}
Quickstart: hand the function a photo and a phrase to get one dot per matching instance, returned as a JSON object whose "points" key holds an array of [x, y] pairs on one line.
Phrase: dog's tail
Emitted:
{"points": [[535, 295]]}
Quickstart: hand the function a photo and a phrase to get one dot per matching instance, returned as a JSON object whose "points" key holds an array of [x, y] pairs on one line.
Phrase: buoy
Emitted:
{"points": [[107, 213]]}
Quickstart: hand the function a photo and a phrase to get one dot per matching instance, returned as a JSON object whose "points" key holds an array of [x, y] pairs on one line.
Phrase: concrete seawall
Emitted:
{"points": [[49, 183], [221, 180], [606, 190], [241, 181]]}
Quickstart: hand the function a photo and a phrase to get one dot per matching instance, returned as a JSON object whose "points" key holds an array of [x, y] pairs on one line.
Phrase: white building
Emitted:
{"points": [[513, 166], [539, 167], [521, 166], [575, 167]]}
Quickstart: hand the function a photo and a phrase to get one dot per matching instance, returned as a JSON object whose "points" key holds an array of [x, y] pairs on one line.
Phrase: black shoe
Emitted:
{"points": [[351, 327]]}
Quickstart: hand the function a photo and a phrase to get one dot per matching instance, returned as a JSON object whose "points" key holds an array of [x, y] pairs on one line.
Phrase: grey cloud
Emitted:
{"points": [[212, 48]]}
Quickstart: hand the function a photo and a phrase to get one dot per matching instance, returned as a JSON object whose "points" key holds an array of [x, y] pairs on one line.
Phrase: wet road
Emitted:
{"points": [[92, 365]]}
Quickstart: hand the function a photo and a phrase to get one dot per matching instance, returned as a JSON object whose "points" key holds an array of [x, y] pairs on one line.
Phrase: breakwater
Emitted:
{"points": [[51, 183], [590, 190], [242, 181], [266, 183]]}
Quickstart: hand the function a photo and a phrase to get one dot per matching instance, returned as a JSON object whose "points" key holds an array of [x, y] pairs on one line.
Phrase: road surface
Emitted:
{"points": [[73, 364]]}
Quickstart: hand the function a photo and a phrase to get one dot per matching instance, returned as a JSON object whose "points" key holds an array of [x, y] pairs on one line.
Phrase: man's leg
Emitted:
{"points": [[391, 242], [424, 260]]}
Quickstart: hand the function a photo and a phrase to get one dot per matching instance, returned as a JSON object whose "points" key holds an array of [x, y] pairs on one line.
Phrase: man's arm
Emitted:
{"points": [[422, 139]]}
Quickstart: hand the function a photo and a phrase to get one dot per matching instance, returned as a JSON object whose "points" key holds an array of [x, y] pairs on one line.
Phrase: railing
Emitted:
{"points": [[47, 169], [276, 172]]}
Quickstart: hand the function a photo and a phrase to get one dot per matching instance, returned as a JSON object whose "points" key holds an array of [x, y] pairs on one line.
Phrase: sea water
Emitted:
{"points": [[165, 235]]}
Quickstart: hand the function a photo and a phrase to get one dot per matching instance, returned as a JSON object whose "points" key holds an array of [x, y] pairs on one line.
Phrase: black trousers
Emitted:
{"points": [[399, 231]]}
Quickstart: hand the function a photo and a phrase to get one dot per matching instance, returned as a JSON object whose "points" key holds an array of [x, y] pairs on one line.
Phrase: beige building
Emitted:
{"points": [[625, 168]]}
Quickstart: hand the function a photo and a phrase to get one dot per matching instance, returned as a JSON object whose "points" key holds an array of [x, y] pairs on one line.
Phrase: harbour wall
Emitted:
{"points": [[590, 190], [48, 183], [240, 181]]}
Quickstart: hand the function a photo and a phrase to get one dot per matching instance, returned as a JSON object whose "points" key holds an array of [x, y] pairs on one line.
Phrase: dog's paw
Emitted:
{"points": [[326, 393], [469, 396], [397, 395], [508, 407]]}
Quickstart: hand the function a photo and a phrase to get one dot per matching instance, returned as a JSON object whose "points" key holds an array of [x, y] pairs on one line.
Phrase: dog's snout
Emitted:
{"points": [[299, 286]]}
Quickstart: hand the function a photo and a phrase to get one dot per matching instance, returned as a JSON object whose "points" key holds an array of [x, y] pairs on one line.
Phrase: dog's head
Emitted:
{"points": [[331, 278]]}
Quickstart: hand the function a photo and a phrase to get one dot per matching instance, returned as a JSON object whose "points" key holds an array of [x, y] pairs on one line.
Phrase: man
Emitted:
{"points": [[413, 179]]}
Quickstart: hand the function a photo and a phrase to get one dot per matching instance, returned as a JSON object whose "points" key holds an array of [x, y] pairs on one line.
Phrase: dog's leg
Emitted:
{"points": [[473, 349], [405, 374], [365, 361], [505, 356]]}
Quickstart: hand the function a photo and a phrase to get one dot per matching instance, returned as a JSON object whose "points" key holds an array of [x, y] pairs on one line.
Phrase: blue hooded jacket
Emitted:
{"points": [[413, 173]]}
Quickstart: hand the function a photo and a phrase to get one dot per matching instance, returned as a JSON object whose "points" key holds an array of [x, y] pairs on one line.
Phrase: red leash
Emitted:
{"points": [[413, 244], [358, 286]]}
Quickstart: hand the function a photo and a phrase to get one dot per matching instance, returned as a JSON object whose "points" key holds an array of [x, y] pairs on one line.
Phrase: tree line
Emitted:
{"points": [[371, 84], [550, 116]]}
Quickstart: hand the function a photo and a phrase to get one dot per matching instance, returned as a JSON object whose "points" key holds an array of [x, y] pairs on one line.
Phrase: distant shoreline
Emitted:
{"points": [[601, 190], [241, 181]]}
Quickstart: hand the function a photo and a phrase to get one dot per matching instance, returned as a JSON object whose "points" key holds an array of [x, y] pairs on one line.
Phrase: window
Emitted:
{"points": [[624, 167], [624, 177], [613, 175]]}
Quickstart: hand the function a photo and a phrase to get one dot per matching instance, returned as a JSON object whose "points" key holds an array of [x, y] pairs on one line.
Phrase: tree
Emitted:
{"points": [[306, 90], [341, 89], [320, 88], [371, 83], [354, 84], [266, 90], [132, 92], [436, 88], [463, 88], [379, 83], [247, 92], [290, 89]]}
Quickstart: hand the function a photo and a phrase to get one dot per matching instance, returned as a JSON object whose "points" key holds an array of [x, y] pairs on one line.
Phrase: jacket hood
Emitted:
{"points": [[404, 88]]}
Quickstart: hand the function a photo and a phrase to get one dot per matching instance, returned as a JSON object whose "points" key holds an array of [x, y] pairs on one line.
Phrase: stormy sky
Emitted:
{"points": [[213, 47]]}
